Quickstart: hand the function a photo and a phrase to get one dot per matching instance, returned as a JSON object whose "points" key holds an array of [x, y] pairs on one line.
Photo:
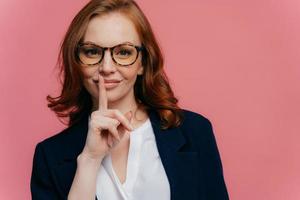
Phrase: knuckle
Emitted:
{"points": [[115, 122], [118, 112], [98, 124], [97, 129], [114, 132], [95, 114], [92, 123], [111, 112]]}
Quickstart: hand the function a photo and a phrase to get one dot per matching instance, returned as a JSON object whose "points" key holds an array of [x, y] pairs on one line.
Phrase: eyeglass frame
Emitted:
{"points": [[111, 49]]}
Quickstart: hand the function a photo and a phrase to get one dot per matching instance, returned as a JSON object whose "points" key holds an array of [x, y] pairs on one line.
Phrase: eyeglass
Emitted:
{"points": [[124, 54]]}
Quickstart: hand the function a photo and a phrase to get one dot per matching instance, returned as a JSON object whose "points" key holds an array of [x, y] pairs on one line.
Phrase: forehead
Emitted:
{"points": [[111, 29]]}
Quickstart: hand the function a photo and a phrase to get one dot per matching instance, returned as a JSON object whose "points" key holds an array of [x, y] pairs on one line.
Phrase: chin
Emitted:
{"points": [[114, 97]]}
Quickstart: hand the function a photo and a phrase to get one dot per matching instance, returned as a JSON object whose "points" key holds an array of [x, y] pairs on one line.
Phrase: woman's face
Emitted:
{"points": [[108, 31]]}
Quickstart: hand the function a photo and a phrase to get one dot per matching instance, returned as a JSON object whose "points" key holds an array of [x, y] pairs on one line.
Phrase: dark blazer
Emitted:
{"points": [[188, 153]]}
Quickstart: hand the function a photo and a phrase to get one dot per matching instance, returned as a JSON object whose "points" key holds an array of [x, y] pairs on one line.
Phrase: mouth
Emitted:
{"points": [[109, 84]]}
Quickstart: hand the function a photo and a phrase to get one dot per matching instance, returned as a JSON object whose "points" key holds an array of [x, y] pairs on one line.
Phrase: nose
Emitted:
{"points": [[107, 64]]}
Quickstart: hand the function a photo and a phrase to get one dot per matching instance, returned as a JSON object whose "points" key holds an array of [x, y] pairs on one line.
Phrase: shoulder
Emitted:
{"points": [[194, 119], [199, 135], [66, 143], [65, 136], [197, 129]]}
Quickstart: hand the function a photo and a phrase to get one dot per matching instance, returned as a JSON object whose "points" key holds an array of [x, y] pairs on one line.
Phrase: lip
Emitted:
{"points": [[112, 81], [109, 84]]}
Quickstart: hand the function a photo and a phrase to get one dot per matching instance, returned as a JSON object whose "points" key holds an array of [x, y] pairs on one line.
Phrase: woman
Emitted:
{"points": [[127, 138]]}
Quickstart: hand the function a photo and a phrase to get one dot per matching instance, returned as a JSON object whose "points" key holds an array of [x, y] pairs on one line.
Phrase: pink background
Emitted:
{"points": [[243, 54]]}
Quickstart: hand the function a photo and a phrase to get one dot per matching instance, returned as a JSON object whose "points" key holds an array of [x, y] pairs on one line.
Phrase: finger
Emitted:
{"points": [[123, 119], [129, 116], [109, 140], [102, 95], [103, 123], [122, 130], [114, 132]]}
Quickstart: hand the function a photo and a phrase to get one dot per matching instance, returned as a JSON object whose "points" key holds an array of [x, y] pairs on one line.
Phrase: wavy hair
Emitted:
{"points": [[151, 89]]}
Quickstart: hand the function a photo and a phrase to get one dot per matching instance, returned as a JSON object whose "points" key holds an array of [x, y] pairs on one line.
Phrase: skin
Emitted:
{"points": [[112, 117]]}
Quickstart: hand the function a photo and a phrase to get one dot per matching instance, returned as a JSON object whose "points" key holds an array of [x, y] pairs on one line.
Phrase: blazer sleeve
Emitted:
{"points": [[215, 188], [41, 184]]}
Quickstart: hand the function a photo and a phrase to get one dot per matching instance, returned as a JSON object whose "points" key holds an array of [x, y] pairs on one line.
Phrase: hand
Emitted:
{"points": [[106, 127]]}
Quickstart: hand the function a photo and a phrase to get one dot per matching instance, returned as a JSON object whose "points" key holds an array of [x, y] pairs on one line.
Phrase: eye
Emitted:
{"points": [[124, 52], [91, 52]]}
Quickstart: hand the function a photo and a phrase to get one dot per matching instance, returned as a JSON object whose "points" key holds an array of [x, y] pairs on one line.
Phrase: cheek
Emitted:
{"points": [[87, 80], [87, 73], [130, 73]]}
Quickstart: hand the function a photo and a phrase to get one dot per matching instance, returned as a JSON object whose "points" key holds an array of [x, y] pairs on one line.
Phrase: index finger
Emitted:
{"points": [[102, 106]]}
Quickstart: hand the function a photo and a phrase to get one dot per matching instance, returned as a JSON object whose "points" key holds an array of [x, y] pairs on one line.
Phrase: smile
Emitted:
{"points": [[110, 85]]}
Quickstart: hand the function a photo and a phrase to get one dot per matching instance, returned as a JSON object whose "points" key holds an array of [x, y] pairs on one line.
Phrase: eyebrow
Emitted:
{"points": [[92, 43]]}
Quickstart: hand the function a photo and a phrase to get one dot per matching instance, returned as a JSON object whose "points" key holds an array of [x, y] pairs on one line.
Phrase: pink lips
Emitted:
{"points": [[111, 81], [109, 84]]}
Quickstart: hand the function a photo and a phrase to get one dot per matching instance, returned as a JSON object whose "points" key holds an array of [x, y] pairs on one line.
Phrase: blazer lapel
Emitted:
{"points": [[181, 166], [65, 168]]}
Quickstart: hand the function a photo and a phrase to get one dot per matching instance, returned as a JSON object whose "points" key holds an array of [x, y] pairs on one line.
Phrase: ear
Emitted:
{"points": [[140, 70]]}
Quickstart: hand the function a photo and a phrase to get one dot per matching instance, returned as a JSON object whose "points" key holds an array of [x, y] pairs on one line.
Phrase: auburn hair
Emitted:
{"points": [[152, 89]]}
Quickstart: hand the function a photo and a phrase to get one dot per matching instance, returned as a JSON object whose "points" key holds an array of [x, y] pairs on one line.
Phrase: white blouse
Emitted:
{"points": [[146, 178]]}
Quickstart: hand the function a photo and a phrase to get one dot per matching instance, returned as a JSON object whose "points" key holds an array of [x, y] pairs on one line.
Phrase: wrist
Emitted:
{"points": [[86, 158]]}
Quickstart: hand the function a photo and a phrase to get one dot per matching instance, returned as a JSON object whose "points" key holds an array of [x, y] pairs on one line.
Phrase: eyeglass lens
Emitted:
{"points": [[123, 54]]}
